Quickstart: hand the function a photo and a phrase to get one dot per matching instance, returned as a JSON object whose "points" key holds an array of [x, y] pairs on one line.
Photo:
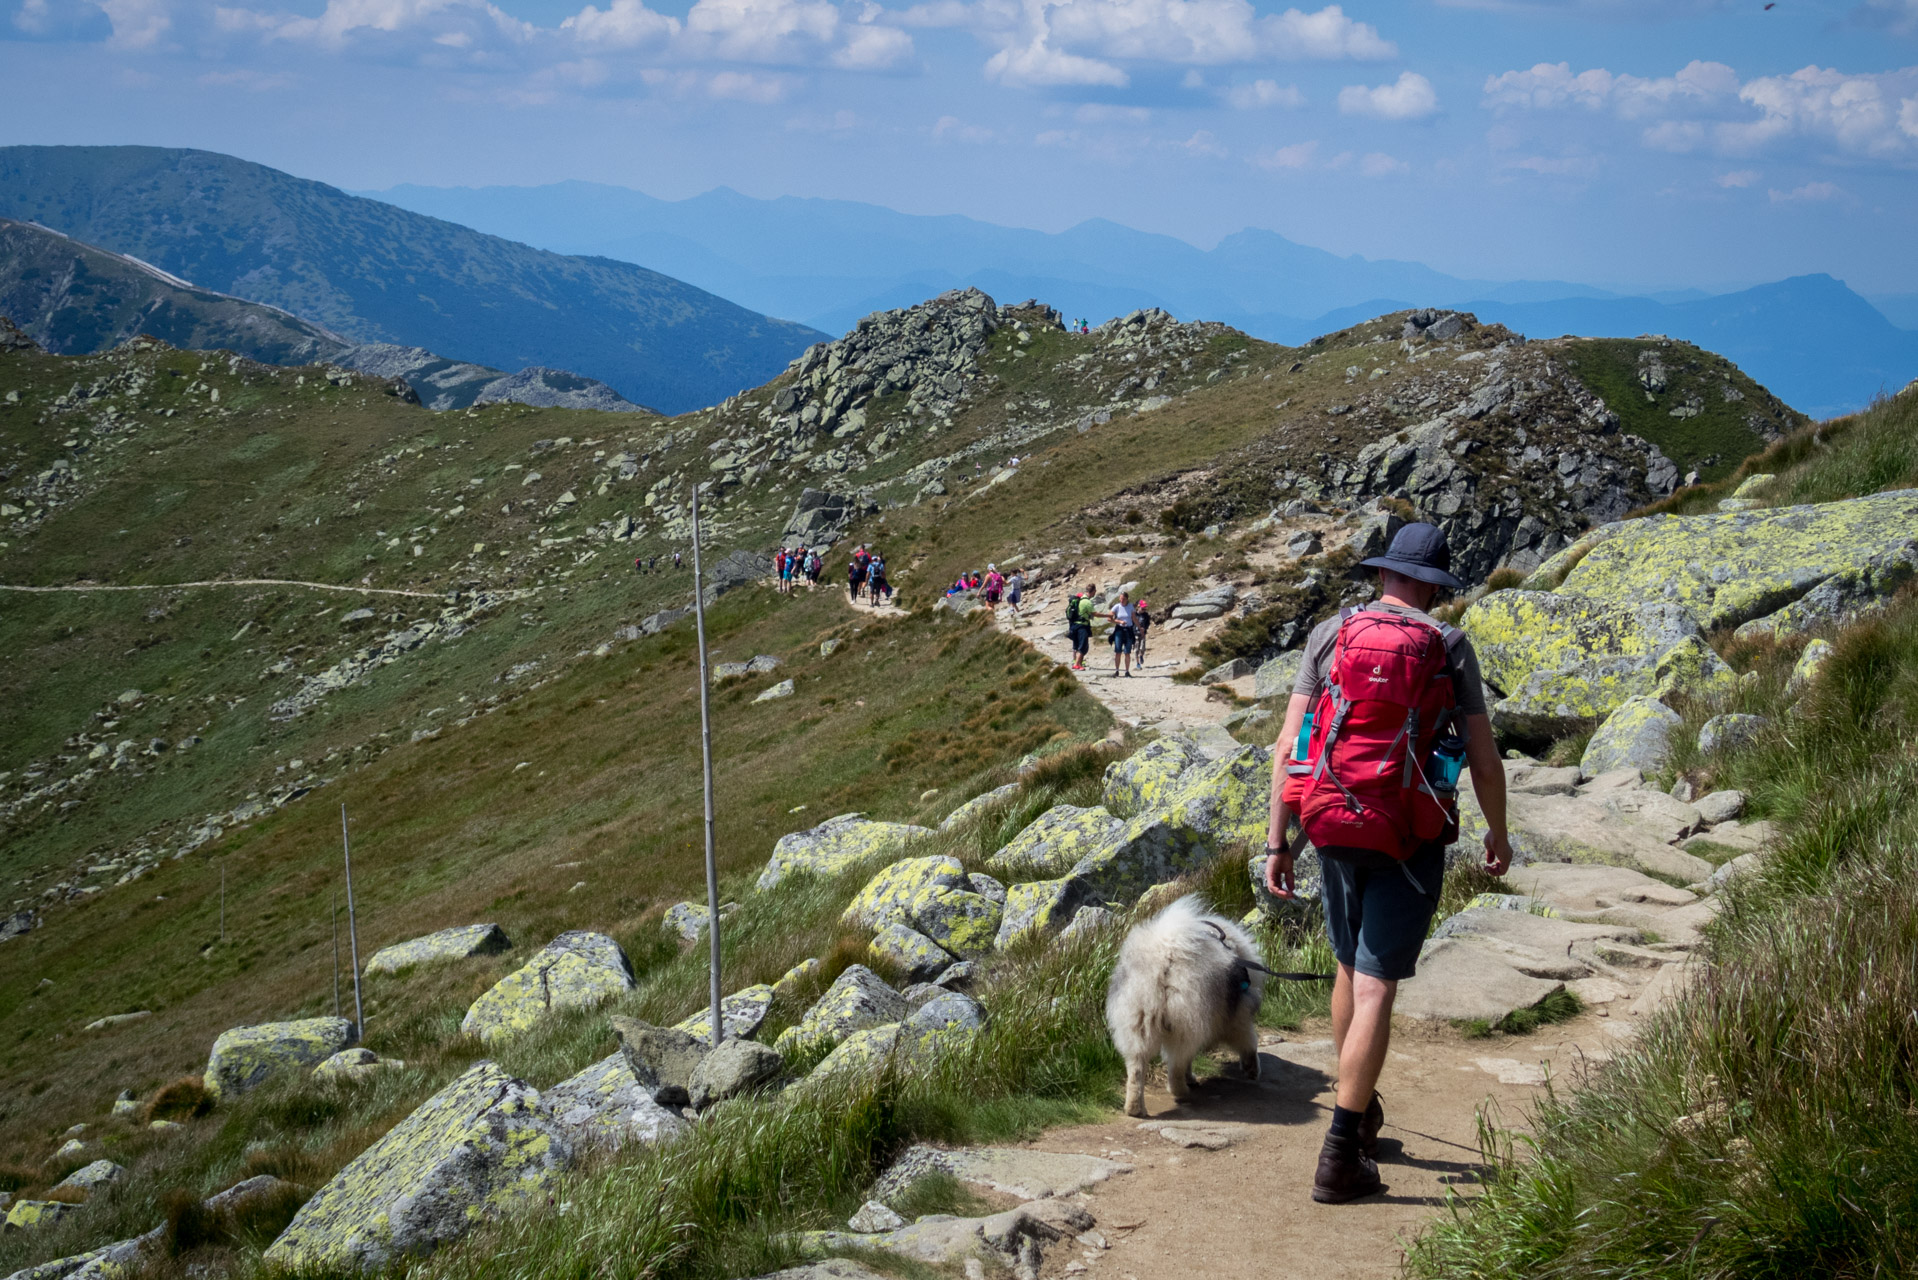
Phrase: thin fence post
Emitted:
{"points": [[706, 763], [352, 929]]}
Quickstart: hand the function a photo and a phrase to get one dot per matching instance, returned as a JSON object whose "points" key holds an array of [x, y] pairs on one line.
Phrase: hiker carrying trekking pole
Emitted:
{"points": [[1387, 707]]}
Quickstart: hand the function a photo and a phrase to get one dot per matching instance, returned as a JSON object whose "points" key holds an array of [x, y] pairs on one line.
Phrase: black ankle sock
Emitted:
{"points": [[1345, 1124]]}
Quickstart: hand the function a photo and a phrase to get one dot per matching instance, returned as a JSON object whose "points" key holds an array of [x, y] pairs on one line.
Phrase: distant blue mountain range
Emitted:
{"points": [[826, 263]]}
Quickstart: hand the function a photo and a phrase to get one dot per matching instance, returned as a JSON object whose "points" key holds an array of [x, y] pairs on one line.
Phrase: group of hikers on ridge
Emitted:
{"points": [[867, 571], [993, 587], [796, 564], [1131, 624]]}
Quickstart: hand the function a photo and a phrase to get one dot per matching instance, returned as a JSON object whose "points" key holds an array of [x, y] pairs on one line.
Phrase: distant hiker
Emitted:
{"points": [[876, 579], [1380, 807], [856, 575], [676, 560], [995, 586], [1123, 635], [639, 564], [813, 565], [1015, 587], [1141, 627], [1079, 626], [779, 568]]}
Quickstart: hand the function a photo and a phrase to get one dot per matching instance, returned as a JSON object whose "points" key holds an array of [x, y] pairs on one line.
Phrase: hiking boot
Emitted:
{"points": [[1369, 1125], [1345, 1172]]}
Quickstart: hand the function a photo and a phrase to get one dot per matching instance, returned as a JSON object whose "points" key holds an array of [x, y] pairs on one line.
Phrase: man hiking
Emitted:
{"points": [[1380, 816], [1015, 587], [1079, 627]]}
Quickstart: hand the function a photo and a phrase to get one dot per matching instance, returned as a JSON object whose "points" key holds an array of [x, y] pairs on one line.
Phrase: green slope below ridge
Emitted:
{"points": [[375, 273]]}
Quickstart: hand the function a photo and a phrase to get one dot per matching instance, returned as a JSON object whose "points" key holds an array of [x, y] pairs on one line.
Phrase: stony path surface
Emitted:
{"points": [[230, 582]]}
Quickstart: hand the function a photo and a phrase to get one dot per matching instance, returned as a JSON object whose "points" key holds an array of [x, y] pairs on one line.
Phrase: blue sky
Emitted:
{"points": [[1636, 143]]}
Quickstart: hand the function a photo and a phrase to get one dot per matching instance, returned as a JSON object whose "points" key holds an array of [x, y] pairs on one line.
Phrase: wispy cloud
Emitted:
{"points": [[1410, 97]]}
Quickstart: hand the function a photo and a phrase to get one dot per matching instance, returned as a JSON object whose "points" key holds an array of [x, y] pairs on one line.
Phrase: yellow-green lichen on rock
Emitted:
{"points": [[963, 922], [742, 1012], [606, 1106], [1226, 801], [887, 898], [29, 1215], [1147, 777], [1054, 841], [1565, 661], [1636, 736], [576, 968], [796, 977], [1730, 568], [1150, 850], [857, 999], [245, 1057], [478, 1149], [834, 846], [448, 944], [909, 952], [863, 1052], [1041, 906]]}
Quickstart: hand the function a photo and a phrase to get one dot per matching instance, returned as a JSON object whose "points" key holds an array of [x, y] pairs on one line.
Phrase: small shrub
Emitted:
{"points": [[189, 1223], [15, 1176], [182, 1099], [259, 1219]]}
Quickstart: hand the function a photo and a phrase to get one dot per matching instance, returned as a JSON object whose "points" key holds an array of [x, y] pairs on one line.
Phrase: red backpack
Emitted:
{"points": [[1387, 697]]}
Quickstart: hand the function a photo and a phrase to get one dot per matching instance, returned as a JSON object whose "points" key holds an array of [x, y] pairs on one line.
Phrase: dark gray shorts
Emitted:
{"points": [[1375, 918]]}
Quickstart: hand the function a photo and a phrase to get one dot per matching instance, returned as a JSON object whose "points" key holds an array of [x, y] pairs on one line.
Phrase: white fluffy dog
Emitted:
{"points": [[1186, 981]]}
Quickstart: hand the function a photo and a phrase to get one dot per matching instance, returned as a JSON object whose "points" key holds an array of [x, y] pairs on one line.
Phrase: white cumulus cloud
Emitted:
{"points": [[1264, 93], [1410, 97], [1811, 191]]}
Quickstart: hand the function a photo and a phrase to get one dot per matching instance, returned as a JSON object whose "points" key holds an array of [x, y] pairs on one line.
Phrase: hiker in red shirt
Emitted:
{"points": [[1388, 705]]}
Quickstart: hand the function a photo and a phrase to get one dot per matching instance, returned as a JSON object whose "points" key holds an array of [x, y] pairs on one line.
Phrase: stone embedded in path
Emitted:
{"points": [[576, 968], [1536, 779], [858, 999], [1637, 735], [448, 944], [1013, 1171], [1584, 888], [1720, 806], [1746, 837], [834, 846], [1459, 980], [829, 1269], [743, 1011], [479, 1148], [245, 1057], [1580, 829], [606, 1106], [1665, 817]]}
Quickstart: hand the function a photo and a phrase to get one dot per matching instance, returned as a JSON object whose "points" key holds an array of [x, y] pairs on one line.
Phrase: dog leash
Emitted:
{"points": [[1254, 964]]}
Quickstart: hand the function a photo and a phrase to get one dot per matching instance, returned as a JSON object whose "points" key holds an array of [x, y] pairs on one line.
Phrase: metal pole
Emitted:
{"points": [[706, 761], [334, 897], [352, 929]]}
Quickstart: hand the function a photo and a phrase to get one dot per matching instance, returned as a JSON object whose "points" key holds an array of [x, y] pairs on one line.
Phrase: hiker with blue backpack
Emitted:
{"points": [[1387, 709]]}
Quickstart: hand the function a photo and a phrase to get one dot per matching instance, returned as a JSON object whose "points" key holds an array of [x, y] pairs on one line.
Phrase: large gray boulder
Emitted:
{"points": [[1635, 736], [858, 999], [246, 1057], [835, 846], [662, 1059], [735, 1067], [1276, 676], [1730, 732], [479, 1148], [912, 953], [575, 969], [1148, 776], [607, 1106], [448, 944], [1054, 842]]}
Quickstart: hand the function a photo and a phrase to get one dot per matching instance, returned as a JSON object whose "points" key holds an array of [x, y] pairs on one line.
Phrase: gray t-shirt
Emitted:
{"points": [[1461, 661]]}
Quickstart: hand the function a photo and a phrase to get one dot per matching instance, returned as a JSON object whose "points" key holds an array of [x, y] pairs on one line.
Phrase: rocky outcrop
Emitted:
{"points": [[448, 944], [821, 517], [479, 1148], [1147, 776], [576, 968], [607, 1106], [857, 1000], [246, 1057], [1055, 841], [734, 1068]]}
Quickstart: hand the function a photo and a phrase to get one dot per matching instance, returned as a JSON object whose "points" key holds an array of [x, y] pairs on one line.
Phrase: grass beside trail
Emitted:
{"points": [[1767, 1123]]}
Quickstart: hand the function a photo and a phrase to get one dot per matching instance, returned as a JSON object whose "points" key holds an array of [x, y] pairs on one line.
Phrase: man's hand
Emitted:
{"points": [[1278, 875], [1498, 853]]}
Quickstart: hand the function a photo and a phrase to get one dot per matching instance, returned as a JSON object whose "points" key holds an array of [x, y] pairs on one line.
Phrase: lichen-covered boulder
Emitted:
{"points": [[479, 1148], [355, 1064], [959, 920], [1087, 920], [912, 953], [1226, 801], [861, 1053], [1055, 841], [448, 944], [887, 898], [1729, 732], [1150, 850], [834, 845], [1729, 569], [1809, 664], [1041, 906], [245, 1056], [946, 1016], [978, 806], [743, 1011], [857, 999], [576, 968], [795, 977], [1306, 883], [663, 1059], [30, 1215], [1565, 661], [987, 887], [97, 1174], [1147, 776], [735, 1067], [1846, 597], [607, 1106], [687, 919], [1275, 678], [1635, 736]]}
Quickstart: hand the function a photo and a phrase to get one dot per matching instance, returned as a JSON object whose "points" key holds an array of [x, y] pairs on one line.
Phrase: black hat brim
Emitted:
{"points": [[1423, 572]]}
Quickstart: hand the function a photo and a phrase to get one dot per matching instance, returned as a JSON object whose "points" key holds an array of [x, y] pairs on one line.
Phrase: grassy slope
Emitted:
{"points": [[1766, 1125]]}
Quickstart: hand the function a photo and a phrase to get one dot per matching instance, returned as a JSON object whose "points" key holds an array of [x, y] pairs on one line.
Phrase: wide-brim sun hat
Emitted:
{"points": [[1419, 550]]}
